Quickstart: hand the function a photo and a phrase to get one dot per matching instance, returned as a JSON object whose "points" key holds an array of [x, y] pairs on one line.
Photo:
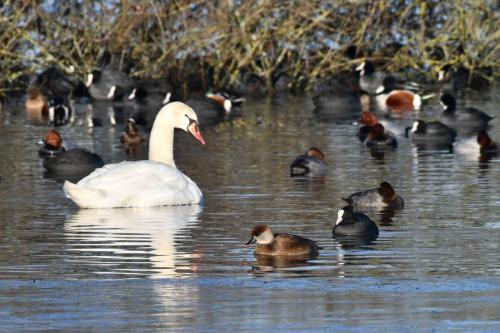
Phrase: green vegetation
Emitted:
{"points": [[219, 43]]}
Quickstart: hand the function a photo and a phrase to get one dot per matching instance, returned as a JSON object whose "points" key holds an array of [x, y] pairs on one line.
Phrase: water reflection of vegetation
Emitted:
{"points": [[223, 43]]}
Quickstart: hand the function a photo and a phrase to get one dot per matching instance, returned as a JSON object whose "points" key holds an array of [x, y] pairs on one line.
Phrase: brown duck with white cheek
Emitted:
{"points": [[383, 196], [131, 135], [311, 163], [281, 244]]}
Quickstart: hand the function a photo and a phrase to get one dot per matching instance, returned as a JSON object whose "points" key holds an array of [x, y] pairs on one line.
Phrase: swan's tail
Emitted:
{"points": [[83, 197]]}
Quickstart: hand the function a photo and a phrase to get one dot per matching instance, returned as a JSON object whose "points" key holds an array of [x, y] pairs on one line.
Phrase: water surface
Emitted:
{"points": [[434, 266]]}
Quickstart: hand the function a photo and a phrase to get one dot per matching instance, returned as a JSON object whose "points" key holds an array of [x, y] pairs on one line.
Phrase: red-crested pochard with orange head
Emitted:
{"points": [[281, 244]]}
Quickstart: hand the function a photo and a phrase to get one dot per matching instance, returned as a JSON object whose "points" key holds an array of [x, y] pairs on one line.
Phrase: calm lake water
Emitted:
{"points": [[434, 267]]}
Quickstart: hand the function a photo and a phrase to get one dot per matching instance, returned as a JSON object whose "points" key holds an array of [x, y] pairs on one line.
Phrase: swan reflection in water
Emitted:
{"points": [[129, 241]]}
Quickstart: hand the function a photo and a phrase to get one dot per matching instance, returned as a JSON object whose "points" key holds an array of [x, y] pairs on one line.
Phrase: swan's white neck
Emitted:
{"points": [[161, 140]]}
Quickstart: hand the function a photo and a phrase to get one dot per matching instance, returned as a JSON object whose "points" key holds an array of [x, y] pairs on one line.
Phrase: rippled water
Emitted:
{"points": [[435, 265]]}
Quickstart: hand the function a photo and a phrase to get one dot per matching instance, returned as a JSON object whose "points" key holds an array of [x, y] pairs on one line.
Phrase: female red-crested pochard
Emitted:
{"points": [[389, 98], [379, 138], [281, 244], [312, 163], [52, 144], [351, 223], [131, 135], [383, 196]]}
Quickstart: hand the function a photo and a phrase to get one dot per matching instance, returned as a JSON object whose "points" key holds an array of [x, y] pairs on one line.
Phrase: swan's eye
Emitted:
{"points": [[191, 121]]}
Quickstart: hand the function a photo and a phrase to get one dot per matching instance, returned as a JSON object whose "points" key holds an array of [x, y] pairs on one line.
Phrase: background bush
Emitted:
{"points": [[222, 43]]}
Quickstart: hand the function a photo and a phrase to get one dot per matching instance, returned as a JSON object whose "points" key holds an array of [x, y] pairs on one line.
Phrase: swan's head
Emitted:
{"points": [[185, 118]]}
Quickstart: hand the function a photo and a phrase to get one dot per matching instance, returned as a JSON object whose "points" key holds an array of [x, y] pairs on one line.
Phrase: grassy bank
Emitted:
{"points": [[225, 42]]}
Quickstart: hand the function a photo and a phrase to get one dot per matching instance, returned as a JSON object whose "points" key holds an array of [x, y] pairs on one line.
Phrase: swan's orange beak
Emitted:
{"points": [[195, 131]]}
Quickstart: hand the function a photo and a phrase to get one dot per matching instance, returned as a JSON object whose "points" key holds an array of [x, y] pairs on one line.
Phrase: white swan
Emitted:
{"points": [[155, 182]]}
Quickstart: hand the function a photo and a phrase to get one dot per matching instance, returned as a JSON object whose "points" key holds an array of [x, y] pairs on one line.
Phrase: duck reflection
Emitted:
{"points": [[267, 263], [131, 241]]}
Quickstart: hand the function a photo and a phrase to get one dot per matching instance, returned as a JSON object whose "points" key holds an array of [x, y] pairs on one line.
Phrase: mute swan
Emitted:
{"points": [[154, 182]]}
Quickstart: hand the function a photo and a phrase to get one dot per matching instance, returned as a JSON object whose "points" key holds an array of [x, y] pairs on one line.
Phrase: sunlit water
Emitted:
{"points": [[435, 265]]}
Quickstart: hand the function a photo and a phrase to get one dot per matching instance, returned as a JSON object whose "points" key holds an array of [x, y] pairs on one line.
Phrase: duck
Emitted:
{"points": [[479, 146], [383, 196], [368, 119], [281, 244], [213, 108], [312, 163], [351, 223], [36, 102], [131, 135], [52, 144], [378, 137], [465, 121], [147, 183], [390, 98], [433, 133], [60, 111]]}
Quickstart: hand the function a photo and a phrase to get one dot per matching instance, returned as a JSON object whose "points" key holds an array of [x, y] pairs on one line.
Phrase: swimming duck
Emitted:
{"points": [[131, 135], [390, 98], [434, 133], [154, 182], [281, 244], [312, 163], [368, 120], [213, 108], [383, 196], [350, 223], [465, 120], [52, 144], [379, 138], [60, 111], [480, 146]]}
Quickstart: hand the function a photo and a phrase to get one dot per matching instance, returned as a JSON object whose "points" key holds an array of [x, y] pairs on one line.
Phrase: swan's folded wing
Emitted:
{"points": [[142, 183]]}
